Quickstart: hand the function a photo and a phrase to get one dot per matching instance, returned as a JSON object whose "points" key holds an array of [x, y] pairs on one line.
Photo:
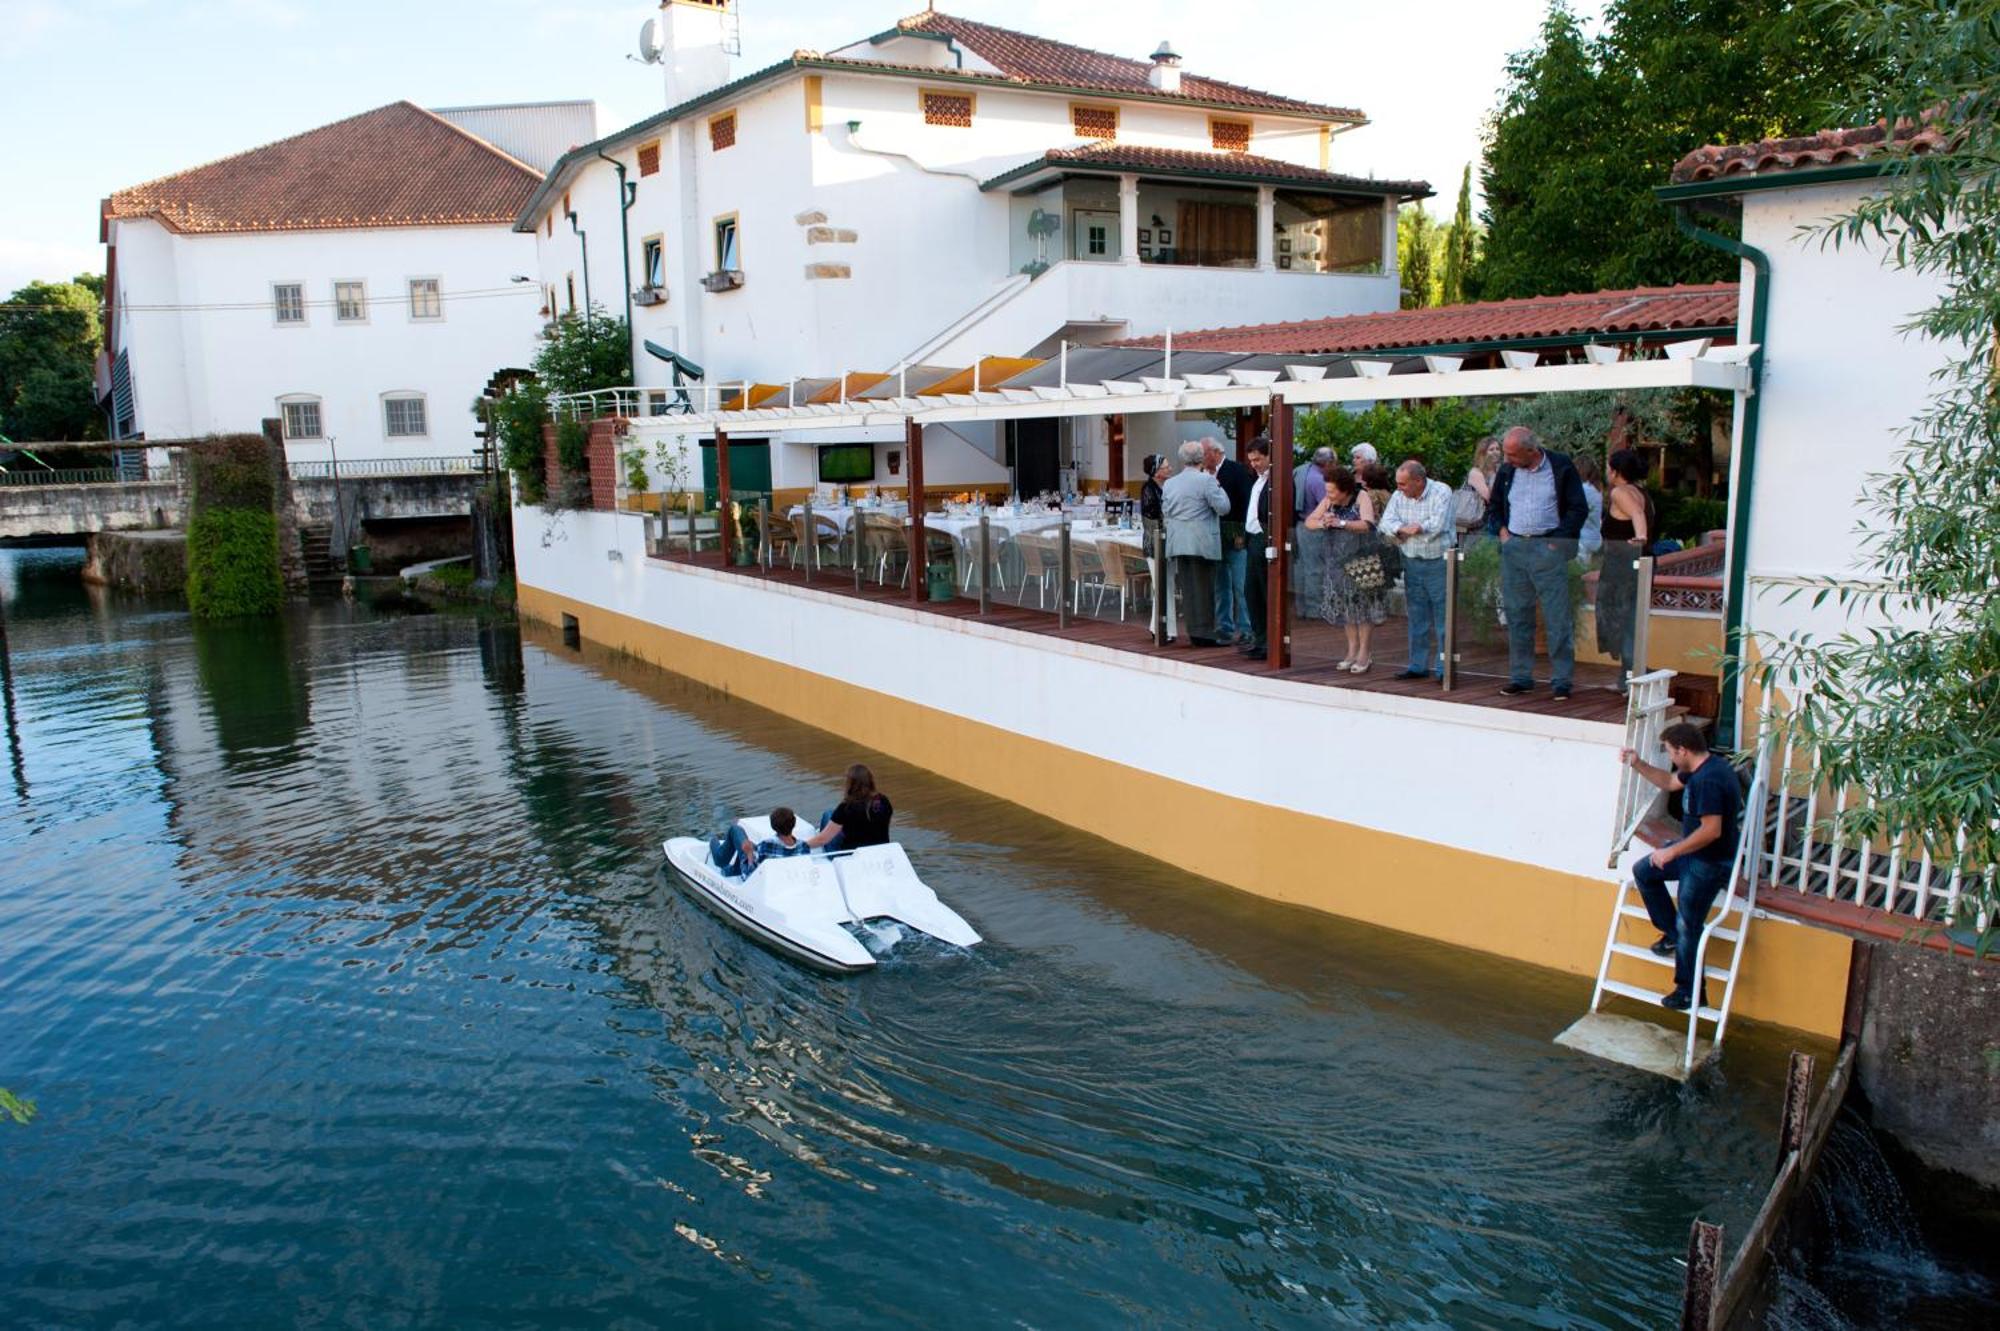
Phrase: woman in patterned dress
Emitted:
{"points": [[1348, 516]]}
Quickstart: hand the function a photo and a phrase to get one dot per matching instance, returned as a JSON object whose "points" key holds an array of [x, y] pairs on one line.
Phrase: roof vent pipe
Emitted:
{"points": [[1165, 74]]}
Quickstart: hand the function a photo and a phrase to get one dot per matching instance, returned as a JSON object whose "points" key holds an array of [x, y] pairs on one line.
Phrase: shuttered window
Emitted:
{"points": [[649, 159], [288, 299], [948, 108], [722, 131], [1230, 136]]}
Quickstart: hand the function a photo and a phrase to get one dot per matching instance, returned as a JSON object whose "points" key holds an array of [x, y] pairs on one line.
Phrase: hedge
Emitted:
{"points": [[232, 564]]}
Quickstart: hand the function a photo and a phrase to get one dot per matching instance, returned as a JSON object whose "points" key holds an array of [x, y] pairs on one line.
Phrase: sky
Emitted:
{"points": [[96, 95]]}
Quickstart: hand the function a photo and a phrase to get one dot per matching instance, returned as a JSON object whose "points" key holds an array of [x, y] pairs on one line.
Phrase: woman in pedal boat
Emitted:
{"points": [[860, 819]]}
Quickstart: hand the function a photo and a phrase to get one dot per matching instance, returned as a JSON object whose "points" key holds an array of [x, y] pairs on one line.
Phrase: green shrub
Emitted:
{"points": [[573, 446], [232, 564], [518, 417], [1687, 518], [232, 471], [1439, 434]]}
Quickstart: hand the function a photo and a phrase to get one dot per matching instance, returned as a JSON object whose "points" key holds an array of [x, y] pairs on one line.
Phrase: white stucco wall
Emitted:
{"points": [[1840, 382], [1412, 762], [217, 361]]}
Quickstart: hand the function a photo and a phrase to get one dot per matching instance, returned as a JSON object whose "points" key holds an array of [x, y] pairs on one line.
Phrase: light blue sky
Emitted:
{"points": [[96, 95]]}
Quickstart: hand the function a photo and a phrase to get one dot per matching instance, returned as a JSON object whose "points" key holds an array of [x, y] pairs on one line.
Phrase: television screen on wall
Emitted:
{"points": [[847, 464]]}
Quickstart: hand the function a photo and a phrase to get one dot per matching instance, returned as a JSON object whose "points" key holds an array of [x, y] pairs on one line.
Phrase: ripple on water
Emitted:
{"points": [[338, 957]]}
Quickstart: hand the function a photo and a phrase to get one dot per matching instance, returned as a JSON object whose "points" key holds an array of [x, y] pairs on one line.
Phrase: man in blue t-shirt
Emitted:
{"points": [[1701, 860]]}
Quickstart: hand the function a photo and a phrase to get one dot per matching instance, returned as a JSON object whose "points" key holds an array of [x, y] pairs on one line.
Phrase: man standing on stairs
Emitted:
{"points": [[1701, 860]]}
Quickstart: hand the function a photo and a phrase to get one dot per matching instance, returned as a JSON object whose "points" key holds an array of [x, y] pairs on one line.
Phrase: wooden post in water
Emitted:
{"points": [[1798, 1100], [1704, 1268], [920, 549], [722, 522], [1278, 571]]}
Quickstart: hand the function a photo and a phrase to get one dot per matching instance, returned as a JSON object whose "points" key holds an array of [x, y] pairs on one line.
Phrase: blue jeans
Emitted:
{"points": [[729, 851], [1232, 606], [1423, 597], [838, 837], [1701, 882], [1535, 570]]}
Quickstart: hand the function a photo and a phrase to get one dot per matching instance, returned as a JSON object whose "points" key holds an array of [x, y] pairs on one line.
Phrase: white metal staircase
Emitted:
{"points": [[1719, 951]]}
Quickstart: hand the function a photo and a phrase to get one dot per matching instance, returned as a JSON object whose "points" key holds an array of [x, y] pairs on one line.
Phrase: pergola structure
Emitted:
{"points": [[1119, 382]]}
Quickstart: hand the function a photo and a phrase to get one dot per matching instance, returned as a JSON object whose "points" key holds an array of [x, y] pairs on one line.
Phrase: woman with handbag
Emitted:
{"points": [[1355, 591]]}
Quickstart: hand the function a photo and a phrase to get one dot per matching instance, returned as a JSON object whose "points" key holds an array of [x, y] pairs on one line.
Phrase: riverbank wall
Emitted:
{"points": [[1473, 827], [149, 562]]}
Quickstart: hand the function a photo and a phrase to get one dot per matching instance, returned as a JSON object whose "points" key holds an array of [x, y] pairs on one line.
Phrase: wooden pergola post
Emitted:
{"points": [[920, 551], [1278, 572], [722, 522], [1114, 451]]}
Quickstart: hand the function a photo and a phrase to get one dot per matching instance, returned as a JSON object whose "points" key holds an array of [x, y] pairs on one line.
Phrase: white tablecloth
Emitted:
{"points": [[844, 514], [967, 528]]}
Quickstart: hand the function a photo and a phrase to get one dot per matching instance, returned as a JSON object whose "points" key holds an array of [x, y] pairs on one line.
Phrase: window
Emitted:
{"points": [[570, 280], [649, 158], [426, 301], [403, 417], [350, 302], [948, 108], [728, 254], [1094, 122], [288, 302], [549, 224], [653, 264], [722, 131], [302, 418], [1230, 136]]}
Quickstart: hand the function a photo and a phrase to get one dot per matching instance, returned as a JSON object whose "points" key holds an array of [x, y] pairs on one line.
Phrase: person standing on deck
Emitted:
{"points": [[1308, 488], [1701, 860], [1538, 511], [1418, 518], [1191, 506], [1257, 540], [1232, 619], [1158, 468]]}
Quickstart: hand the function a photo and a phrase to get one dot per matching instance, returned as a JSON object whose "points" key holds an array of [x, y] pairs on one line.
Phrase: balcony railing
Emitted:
{"points": [[87, 476], [346, 469]]}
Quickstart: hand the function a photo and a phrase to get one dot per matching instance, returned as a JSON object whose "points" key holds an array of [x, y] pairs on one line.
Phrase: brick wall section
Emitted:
{"points": [[607, 433], [551, 469]]}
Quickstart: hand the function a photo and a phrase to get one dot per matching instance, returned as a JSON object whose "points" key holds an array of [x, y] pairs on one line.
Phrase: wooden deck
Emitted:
{"points": [[1316, 646]]}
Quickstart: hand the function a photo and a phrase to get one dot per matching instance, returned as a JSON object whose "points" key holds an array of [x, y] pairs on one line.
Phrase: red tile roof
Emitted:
{"points": [[1640, 310], [1023, 58], [1113, 156], [395, 166], [1829, 147]]}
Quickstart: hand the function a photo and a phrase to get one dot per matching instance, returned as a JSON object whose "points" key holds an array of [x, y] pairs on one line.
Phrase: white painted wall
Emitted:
{"points": [[219, 362], [1840, 382], [1270, 741], [930, 246]]}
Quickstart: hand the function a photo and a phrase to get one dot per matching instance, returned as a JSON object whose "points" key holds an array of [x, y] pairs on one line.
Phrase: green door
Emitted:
{"points": [[749, 468]]}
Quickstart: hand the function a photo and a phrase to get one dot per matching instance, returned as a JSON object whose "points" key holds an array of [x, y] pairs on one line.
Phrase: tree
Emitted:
{"points": [[1417, 242], [1586, 127], [1460, 242], [583, 353], [49, 339], [1908, 708]]}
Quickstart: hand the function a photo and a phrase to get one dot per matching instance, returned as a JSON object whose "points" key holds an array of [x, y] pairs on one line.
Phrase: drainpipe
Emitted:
{"points": [[628, 194], [1736, 575], [584, 241]]}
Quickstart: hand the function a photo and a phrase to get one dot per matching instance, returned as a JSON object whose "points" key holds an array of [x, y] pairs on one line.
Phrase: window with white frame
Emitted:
{"points": [[426, 300], [728, 250], [288, 302], [403, 416], [350, 302], [302, 418], [654, 264]]}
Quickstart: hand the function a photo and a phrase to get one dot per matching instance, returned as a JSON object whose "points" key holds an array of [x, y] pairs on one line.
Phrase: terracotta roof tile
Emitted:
{"points": [[396, 166], [1113, 156], [1829, 147], [1639, 310], [1023, 58]]}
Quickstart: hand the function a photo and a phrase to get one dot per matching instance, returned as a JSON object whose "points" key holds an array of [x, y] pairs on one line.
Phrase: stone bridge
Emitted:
{"points": [[367, 492]]}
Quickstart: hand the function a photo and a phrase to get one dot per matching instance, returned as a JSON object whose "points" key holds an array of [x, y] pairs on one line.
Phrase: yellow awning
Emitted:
{"points": [[992, 372]]}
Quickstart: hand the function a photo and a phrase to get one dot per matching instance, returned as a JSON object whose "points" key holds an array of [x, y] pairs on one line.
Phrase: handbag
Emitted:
{"points": [[1375, 567], [1468, 510]]}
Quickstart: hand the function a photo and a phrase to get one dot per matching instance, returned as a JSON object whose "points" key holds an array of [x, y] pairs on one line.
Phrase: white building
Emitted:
{"points": [[355, 281], [945, 190]]}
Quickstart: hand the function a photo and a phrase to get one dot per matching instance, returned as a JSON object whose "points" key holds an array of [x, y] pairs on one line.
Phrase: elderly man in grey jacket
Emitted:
{"points": [[1192, 503]]}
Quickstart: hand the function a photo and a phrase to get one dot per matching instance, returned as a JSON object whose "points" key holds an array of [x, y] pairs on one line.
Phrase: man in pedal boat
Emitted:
{"points": [[737, 858]]}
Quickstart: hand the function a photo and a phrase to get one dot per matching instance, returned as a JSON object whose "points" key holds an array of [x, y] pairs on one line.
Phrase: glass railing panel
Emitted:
{"points": [[1522, 615]]}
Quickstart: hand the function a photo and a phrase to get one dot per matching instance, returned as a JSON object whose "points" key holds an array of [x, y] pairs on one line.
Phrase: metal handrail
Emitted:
{"points": [[86, 476], [1646, 704], [351, 468]]}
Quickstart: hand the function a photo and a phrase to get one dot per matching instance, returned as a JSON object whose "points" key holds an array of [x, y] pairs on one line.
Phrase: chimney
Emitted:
{"points": [[1166, 72]]}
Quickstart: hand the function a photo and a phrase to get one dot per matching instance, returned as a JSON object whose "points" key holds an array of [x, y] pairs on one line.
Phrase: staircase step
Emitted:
{"points": [[1646, 954], [1633, 991], [1714, 932]]}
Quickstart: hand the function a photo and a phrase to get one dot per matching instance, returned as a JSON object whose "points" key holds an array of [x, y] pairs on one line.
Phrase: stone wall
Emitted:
{"points": [[1930, 1056], [153, 562]]}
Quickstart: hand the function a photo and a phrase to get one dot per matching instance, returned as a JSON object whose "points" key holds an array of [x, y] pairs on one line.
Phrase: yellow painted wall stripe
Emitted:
{"points": [[1794, 976]]}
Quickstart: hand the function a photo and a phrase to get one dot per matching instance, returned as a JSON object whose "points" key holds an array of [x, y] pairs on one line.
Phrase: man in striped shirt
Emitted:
{"points": [[1418, 518]]}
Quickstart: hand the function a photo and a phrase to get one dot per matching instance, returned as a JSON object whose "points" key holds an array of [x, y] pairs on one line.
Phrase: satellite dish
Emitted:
{"points": [[651, 45]]}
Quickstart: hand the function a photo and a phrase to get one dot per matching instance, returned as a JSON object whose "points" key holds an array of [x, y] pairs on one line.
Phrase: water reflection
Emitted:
{"points": [[385, 1006]]}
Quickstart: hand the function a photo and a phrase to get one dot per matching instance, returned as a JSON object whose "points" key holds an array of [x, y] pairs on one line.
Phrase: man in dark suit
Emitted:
{"points": [[1232, 623], [1256, 539], [1537, 511]]}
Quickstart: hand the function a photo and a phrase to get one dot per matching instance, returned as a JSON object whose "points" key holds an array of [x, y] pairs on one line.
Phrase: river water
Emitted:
{"points": [[338, 960]]}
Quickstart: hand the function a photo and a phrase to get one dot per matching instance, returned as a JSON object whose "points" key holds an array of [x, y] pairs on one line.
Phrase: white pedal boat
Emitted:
{"points": [[811, 907]]}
